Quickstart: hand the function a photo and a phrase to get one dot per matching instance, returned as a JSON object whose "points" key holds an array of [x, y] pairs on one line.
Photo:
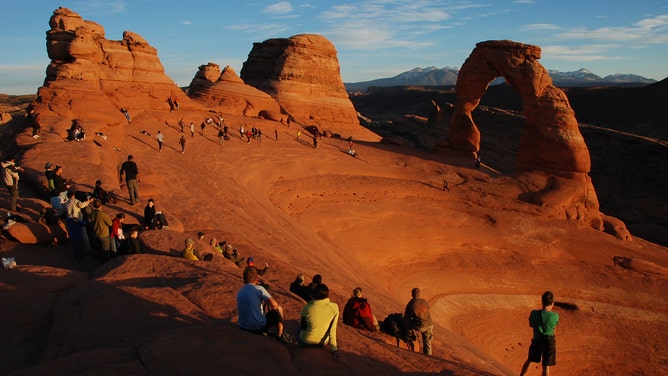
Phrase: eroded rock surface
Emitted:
{"points": [[90, 78], [226, 92], [302, 73], [551, 140]]}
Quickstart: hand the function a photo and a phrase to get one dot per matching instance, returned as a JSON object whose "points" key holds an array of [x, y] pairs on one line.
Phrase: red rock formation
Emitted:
{"points": [[551, 140], [90, 78], [226, 92], [302, 73]]}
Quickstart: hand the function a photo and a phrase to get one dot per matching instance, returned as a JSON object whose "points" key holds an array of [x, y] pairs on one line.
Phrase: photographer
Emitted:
{"points": [[10, 172]]}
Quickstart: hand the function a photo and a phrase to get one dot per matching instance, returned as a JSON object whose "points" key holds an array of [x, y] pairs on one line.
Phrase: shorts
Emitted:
{"points": [[545, 349], [273, 319]]}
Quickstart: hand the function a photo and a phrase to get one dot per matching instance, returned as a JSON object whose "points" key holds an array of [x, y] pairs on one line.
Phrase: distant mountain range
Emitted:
{"points": [[432, 76]]}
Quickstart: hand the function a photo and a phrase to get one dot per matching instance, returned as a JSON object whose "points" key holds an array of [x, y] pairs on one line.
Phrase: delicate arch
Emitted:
{"points": [[551, 140]]}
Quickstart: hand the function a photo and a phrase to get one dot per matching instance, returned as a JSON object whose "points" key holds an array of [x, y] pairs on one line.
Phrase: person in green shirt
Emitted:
{"points": [[543, 345], [318, 321]]}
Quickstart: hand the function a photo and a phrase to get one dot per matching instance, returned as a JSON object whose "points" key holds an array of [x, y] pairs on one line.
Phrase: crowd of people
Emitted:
{"points": [[260, 313], [92, 231]]}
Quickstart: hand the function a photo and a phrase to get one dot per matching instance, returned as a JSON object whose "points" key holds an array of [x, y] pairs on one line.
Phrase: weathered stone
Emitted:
{"points": [[91, 78], [302, 73], [616, 227], [226, 92], [551, 140]]}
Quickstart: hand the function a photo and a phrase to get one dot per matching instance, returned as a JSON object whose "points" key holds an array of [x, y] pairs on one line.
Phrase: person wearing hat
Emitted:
{"points": [[49, 174], [251, 262], [189, 252], [10, 173], [117, 237], [419, 319]]}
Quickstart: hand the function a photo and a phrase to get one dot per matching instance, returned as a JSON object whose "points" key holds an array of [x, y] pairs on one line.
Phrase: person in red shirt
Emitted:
{"points": [[357, 312]]}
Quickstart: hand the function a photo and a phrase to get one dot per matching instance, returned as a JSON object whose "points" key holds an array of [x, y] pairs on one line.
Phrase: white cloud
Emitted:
{"points": [[102, 6], [540, 27], [260, 31], [652, 30], [280, 8], [592, 52], [9, 69], [378, 24]]}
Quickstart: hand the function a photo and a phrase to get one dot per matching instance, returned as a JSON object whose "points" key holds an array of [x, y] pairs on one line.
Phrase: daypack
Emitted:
{"points": [[394, 325]]}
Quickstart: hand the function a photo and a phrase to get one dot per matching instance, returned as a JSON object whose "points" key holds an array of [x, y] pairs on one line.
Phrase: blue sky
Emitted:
{"points": [[374, 38]]}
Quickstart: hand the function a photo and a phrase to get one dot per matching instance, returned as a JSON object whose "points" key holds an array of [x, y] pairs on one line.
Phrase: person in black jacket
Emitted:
{"points": [[154, 219]]}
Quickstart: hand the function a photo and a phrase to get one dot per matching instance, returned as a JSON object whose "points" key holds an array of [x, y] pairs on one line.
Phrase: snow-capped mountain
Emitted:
{"points": [[432, 76]]}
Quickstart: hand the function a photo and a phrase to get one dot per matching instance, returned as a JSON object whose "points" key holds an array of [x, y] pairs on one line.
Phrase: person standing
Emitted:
{"points": [[160, 138], [10, 173], [59, 183], [318, 321], [129, 168], [543, 345], [251, 301], [182, 142], [419, 319], [192, 129], [101, 222], [49, 174], [117, 236]]}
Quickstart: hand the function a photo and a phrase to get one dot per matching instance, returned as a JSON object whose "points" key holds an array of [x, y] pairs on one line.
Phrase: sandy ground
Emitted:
{"points": [[382, 221]]}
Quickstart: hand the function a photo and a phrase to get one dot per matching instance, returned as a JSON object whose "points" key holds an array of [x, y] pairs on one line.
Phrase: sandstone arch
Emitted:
{"points": [[551, 140], [552, 158]]}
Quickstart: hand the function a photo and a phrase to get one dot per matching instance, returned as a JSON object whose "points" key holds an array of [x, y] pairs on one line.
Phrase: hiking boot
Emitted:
{"points": [[286, 339]]}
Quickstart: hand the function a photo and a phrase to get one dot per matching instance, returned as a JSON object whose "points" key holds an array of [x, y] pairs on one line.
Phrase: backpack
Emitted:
{"points": [[394, 326]]}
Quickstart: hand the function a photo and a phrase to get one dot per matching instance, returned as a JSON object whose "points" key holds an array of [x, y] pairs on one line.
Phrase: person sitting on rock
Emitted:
{"points": [[251, 262], [189, 252], [318, 321], [299, 288], [216, 245], [154, 219], [258, 311], [133, 245], [231, 253], [357, 312], [102, 194], [315, 281]]}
